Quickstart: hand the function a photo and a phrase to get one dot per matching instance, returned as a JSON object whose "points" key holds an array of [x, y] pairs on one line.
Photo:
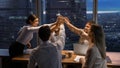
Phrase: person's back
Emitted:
{"points": [[46, 56], [100, 62], [94, 59]]}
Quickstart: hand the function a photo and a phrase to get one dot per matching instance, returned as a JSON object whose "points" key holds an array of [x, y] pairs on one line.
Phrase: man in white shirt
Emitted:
{"points": [[48, 54]]}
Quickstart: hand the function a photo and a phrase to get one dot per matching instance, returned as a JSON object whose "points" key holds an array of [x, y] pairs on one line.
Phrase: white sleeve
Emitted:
{"points": [[34, 29], [47, 24], [62, 34], [61, 42], [60, 39]]}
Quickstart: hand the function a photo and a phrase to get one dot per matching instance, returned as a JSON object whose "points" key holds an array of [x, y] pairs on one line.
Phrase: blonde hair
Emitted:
{"points": [[99, 39]]}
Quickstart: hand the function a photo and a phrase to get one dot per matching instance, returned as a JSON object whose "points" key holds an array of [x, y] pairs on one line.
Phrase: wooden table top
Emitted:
{"points": [[65, 60], [114, 56]]}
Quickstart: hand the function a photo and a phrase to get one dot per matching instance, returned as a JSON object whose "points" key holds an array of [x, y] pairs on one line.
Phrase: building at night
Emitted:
{"points": [[75, 10], [13, 14], [13, 17]]}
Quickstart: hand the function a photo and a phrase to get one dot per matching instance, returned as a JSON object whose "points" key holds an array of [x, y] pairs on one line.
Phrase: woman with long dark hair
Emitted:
{"points": [[96, 53]]}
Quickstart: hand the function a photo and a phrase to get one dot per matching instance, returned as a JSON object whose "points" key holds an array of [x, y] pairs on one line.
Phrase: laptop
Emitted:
{"points": [[80, 49]]}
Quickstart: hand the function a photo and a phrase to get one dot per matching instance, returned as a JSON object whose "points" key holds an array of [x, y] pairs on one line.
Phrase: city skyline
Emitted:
{"points": [[75, 10], [105, 5], [99, 12]]}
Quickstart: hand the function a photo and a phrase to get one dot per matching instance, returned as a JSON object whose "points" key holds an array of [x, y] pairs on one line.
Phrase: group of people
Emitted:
{"points": [[52, 41]]}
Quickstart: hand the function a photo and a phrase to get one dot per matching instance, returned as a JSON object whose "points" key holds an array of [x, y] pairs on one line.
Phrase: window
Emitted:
{"points": [[13, 14], [75, 10], [108, 17], [13, 17]]}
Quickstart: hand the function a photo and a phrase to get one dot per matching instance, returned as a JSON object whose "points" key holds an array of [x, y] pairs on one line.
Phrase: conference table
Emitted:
{"points": [[67, 60]]}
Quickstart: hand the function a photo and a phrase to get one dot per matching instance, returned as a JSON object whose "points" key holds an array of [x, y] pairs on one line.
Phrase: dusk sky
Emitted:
{"points": [[105, 5]]}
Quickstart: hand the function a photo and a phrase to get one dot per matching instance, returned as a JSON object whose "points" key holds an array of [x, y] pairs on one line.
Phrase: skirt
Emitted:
{"points": [[16, 49]]}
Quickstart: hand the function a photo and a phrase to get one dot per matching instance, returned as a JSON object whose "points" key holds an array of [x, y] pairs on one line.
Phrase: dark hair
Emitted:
{"points": [[99, 39], [44, 33], [31, 18]]}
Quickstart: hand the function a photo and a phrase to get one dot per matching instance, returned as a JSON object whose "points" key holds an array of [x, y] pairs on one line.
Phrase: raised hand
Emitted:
{"points": [[60, 20], [67, 21], [56, 25], [28, 45]]}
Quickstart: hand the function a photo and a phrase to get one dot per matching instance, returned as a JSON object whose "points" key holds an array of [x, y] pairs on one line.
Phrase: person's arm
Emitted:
{"points": [[89, 59], [54, 27], [59, 40], [50, 24], [62, 36], [74, 29], [28, 45], [62, 32], [34, 29], [60, 20]]}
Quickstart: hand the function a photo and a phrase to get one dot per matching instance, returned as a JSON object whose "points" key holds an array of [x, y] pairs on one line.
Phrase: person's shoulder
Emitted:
{"points": [[51, 45], [50, 48], [92, 49], [25, 27]]}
